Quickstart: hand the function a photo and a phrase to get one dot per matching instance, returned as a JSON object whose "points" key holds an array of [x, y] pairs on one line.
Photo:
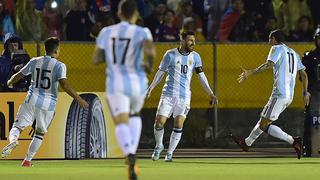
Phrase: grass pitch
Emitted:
{"points": [[181, 168]]}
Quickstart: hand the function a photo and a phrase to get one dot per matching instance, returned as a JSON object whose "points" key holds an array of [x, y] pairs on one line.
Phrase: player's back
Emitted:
{"points": [[45, 73], [285, 70], [123, 46]]}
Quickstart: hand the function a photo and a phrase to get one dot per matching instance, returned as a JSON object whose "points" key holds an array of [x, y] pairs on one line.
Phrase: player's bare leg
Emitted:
{"points": [[158, 135], [175, 136]]}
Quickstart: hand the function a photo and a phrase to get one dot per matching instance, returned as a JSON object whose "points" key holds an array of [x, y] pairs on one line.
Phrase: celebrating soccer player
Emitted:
{"points": [[179, 64]]}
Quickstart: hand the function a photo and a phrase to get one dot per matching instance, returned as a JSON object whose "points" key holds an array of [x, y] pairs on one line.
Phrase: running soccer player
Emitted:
{"points": [[286, 63], [179, 64], [122, 47], [46, 71]]}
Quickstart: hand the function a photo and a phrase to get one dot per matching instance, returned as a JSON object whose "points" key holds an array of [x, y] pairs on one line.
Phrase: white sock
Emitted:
{"points": [[124, 138], [174, 139], [255, 133], [34, 147], [14, 134], [158, 135], [275, 131], [135, 126]]}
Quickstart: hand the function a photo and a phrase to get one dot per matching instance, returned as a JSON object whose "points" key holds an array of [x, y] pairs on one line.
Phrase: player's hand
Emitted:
{"points": [[306, 99], [244, 75], [214, 100], [82, 103]]}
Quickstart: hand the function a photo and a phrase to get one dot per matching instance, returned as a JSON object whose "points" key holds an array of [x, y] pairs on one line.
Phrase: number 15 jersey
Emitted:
{"points": [[123, 47], [45, 75]]}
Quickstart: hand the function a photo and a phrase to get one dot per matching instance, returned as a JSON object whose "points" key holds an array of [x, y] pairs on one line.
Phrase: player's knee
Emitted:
{"points": [[264, 125], [39, 132], [158, 124]]}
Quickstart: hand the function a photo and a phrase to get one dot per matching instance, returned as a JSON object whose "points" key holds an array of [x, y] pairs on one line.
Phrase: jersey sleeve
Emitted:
{"points": [[147, 34], [300, 66], [165, 62], [197, 60], [62, 72], [274, 54], [26, 70]]}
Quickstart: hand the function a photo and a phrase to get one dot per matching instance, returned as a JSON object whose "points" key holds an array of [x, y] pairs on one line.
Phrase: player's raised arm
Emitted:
{"points": [[66, 87]]}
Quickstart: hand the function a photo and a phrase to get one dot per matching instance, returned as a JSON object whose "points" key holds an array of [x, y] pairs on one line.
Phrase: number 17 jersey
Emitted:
{"points": [[123, 47], [45, 75]]}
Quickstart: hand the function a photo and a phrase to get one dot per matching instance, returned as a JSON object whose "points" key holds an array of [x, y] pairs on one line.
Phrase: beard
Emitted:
{"points": [[189, 48]]}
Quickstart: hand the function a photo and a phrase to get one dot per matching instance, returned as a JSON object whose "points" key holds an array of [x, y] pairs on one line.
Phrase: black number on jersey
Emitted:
{"points": [[44, 77], [291, 62], [184, 69], [125, 50]]}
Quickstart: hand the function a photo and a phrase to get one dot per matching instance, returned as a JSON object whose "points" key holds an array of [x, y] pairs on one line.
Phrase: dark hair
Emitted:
{"points": [[278, 35], [169, 10], [184, 34], [51, 44], [128, 7]]}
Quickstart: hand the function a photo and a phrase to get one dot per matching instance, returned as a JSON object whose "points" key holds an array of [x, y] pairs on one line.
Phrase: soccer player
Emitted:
{"points": [[179, 64], [46, 71], [123, 46], [286, 63]]}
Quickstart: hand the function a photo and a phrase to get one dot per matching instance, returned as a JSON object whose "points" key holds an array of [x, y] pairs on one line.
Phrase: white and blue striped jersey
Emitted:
{"points": [[123, 47], [286, 65], [45, 73], [179, 70]]}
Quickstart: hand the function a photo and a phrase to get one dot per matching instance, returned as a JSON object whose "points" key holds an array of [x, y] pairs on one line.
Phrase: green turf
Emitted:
{"points": [[181, 168]]}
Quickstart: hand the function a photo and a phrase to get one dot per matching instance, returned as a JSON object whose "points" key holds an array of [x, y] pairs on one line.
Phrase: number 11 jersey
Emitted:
{"points": [[286, 65]]}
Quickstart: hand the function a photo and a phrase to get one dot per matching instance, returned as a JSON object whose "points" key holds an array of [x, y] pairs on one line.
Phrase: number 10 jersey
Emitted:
{"points": [[179, 69]]}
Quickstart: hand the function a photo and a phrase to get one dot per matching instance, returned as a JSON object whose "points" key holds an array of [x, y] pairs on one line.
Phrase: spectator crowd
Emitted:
{"points": [[212, 20]]}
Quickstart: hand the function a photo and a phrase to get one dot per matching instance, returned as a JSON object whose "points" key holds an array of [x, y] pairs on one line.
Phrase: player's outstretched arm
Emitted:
{"points": [[306, 94], [247, 73], [66, 87], [98, 56], [14, 79], [156, 80]]}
